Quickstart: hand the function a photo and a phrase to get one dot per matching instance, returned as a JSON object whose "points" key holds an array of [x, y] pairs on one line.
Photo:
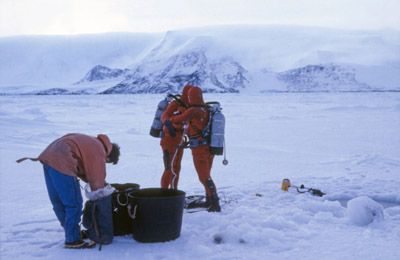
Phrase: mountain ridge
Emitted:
{"points": [[221, 59]]}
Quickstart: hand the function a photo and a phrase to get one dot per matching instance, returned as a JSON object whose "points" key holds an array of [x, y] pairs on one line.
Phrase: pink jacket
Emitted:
{"points": [[80, 156]]}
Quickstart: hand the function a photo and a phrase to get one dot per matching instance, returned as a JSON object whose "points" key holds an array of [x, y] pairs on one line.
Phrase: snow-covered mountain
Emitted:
{"points": [[100, 72], [322, 78], [227, 59], [191, 67]]}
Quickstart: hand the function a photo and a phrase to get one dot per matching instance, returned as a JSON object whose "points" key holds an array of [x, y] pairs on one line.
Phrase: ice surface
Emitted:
{"points": [[345, 144]]}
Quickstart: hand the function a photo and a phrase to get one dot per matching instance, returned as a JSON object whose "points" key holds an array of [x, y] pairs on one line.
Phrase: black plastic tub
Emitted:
{"points": [[158, 214], [122, 222]]}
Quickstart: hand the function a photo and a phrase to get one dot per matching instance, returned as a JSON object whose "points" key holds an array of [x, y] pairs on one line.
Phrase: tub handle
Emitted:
{"points": [[132, 215], [122, 204]]}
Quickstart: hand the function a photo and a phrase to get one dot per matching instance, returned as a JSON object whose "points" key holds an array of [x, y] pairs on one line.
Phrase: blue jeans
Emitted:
{"points": [[66, 197]]}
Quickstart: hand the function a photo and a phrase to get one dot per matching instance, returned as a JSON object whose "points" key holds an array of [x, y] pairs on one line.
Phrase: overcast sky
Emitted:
{"points": [[18, 17]]}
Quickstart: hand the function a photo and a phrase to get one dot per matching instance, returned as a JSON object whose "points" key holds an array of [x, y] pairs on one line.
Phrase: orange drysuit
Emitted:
{"points": [[197, 117], [172, 147]]}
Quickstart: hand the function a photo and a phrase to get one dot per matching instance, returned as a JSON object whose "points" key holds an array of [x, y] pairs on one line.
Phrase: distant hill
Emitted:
{"points": [[224, 59]]}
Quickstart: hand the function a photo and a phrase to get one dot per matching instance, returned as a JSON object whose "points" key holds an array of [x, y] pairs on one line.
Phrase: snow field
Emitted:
{"points": [[345, 144]]}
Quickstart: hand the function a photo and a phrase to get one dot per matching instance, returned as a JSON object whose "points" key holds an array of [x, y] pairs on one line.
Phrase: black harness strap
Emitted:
{"points": [[199, 105], [199, 132], [177, 99]]}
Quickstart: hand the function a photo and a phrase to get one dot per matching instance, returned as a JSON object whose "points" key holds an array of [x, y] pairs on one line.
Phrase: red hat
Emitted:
{"points": [[185, 92], [195, 96]]}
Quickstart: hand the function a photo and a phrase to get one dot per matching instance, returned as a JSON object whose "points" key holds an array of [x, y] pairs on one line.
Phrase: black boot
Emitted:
{"points": [[214, 207], [206, 203], [214, 200], [80, 244]]}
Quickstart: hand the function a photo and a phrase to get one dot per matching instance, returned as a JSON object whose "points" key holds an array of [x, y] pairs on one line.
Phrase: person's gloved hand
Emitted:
{"points": [[170, 128]]}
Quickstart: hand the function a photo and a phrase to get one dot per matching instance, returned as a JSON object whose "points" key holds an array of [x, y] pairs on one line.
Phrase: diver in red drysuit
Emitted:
{"points": [[172, 142], [197, 116]]}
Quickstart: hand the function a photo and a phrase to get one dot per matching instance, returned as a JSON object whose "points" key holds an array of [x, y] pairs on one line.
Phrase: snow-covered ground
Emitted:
{"points": [[345, 144]]}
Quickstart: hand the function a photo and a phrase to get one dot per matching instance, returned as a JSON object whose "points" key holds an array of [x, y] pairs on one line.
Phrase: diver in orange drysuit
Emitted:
{"points": [[171, 143], [197, 116]]}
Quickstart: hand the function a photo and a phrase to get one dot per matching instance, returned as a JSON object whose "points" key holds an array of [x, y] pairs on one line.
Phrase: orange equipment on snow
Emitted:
{"points": [[285, 184]]}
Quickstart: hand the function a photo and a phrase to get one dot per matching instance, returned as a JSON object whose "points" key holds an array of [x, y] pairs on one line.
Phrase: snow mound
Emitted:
{"points": [[363, 211]]}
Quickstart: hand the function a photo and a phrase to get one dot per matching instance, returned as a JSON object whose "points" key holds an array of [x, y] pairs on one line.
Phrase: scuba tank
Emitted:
{"points": [[216, 129], [157, 125]]}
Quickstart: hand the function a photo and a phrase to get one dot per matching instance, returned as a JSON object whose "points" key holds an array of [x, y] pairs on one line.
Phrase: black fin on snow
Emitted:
{"points": [[195, 201]]}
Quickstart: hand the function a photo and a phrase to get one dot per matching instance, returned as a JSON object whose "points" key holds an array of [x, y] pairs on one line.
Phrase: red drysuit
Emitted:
{"points": [[197, 117], [172, 153]]}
